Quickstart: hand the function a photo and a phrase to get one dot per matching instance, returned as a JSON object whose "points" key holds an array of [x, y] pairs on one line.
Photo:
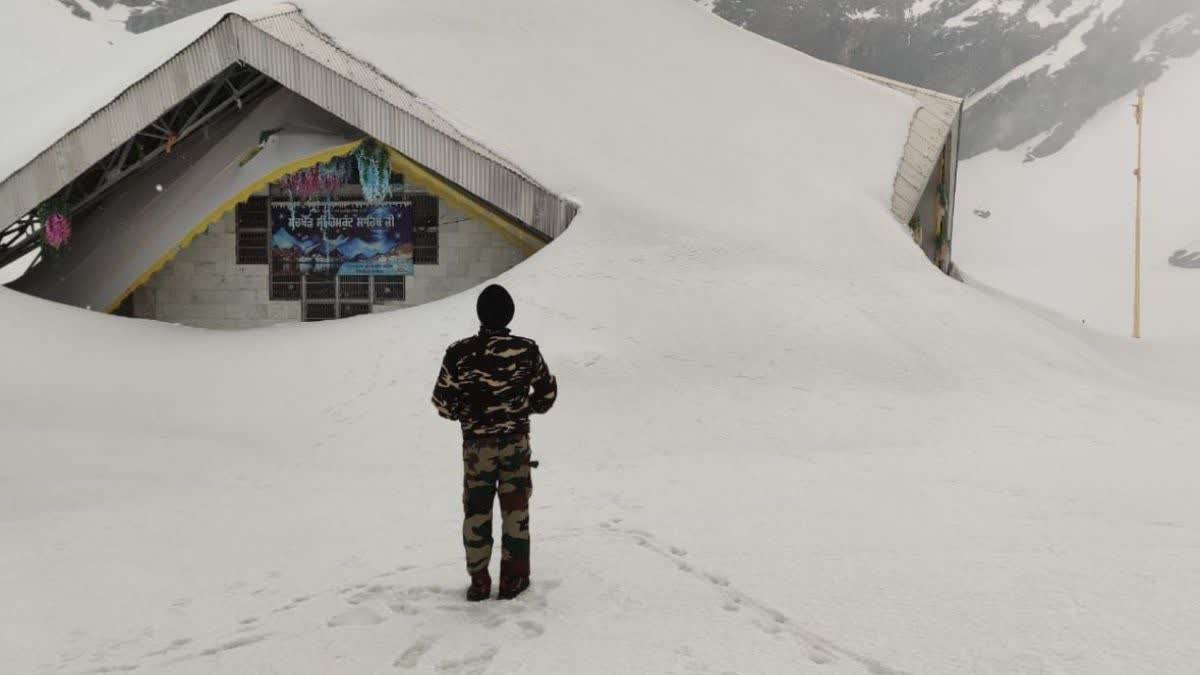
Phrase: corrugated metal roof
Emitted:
{"points": [[934, 124], [270, 41]]}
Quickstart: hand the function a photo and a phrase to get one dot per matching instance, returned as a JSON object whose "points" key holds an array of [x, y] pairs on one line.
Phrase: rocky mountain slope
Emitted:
{"points": [[1033, 69], [137, 15]]}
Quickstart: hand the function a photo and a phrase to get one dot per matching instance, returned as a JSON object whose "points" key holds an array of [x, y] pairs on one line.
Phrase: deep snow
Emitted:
{"points": [[1061, 229], [785, 442]]}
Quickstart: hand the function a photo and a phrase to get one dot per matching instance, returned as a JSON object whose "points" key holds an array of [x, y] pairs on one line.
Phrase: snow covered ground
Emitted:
{"points": [[785, 442], [1060, 230], [41, 37]]}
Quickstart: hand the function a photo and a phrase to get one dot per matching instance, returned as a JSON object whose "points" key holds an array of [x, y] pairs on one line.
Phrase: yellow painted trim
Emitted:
{"points": [[411, 171], [419, 175], [216, 214]]}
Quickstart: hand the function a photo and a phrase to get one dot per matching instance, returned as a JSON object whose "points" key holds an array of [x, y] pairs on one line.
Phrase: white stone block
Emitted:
{"points": [[207, 281], [208, 255], [434, 271], [180, 296], [494, 255], [479, 271], [214, 312], [211, 297], [284, 311], [451, 239], [457, 268], [252, 312], [241, 297]]}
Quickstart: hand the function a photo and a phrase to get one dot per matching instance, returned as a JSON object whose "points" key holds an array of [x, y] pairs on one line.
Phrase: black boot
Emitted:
{"points": [[481, 587], [511, 587]]}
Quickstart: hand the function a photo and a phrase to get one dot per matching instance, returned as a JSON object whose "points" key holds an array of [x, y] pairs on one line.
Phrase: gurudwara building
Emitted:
{"points": [[251, 172]]}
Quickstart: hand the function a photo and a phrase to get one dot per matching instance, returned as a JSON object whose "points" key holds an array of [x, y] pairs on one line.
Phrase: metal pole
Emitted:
{"points": [[1137, 246]]}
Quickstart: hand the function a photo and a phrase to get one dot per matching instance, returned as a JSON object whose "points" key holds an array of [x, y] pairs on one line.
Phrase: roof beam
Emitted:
{"points": [[220, 96]]}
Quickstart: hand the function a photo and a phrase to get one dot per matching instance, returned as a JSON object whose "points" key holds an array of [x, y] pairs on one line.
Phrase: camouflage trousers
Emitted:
{"points": [[494, 465]]}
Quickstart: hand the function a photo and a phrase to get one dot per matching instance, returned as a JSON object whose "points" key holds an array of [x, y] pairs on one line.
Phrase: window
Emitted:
{"points": [[326, 297], [285, 286], [319, 287], [349, 309], [354, 288], [388, 289], [252, 231], [425, 229], [319, 311]]}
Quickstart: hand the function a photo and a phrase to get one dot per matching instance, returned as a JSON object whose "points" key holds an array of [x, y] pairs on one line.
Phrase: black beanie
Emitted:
{"points": [[495, 307]]}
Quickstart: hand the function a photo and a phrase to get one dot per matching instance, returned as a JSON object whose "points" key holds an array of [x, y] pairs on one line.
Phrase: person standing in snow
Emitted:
{"points": [[490, 383]]}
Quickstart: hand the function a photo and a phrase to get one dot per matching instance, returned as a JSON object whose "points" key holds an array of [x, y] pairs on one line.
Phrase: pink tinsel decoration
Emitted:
{"points": [[57, 231], [309, 183]]}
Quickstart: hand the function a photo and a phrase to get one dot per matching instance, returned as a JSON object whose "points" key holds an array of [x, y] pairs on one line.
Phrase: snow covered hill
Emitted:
{"points": [[1034, 68], [1060, 230], [785, 443], [1049, 85], [39, 37]]}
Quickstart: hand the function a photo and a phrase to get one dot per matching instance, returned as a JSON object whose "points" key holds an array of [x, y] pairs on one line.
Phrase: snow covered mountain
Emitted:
{"points": [[1033, 69], [137, 15], [1060, 231]]}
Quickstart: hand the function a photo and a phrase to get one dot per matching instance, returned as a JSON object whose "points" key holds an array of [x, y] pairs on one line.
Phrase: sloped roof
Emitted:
{"points": [[154, 72], [122, 243], [276, 40], [934, 124]]}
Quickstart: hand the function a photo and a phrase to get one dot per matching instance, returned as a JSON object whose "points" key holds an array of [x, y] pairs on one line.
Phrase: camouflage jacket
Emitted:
{"points": [[491, 382]]}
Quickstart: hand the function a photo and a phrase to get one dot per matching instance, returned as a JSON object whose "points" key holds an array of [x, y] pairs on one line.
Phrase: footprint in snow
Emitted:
{"points": [[473, 664], [531, 629], [359, 616], [412, 656]]}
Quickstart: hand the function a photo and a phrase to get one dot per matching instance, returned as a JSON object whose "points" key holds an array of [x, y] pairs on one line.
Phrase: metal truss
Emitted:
{"points": [[225, 94]]}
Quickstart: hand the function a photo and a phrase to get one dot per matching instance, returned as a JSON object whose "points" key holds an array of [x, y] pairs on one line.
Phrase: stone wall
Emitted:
{"points": [[204, 287]]}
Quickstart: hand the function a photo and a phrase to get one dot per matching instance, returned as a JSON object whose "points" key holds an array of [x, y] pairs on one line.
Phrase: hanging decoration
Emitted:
{"points": [[374, 172], [311, 184], [319, 184], [56, 232]]}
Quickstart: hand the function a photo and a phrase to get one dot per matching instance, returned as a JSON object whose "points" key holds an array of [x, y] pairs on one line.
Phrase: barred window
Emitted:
{"points": [[285, 286], [349, 309], [319, 287], [389, 289], [425, 229], [354, 287], [252, 231], [319, 311]]}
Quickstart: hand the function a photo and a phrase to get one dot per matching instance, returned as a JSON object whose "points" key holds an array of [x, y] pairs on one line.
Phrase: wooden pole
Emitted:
{"points": [[1137, 245]]}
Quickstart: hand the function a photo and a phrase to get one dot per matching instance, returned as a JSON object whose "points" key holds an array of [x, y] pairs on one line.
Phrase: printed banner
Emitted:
{"points": [[344, 238]]}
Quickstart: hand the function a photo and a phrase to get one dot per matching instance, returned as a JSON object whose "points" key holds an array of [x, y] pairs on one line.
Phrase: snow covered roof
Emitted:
{"points": [[934, 124], [94, 112], [155, 214]]}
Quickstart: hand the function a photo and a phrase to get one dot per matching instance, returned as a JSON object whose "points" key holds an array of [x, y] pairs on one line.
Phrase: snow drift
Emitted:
{"points": [[1060, 230], [785, 442]]}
